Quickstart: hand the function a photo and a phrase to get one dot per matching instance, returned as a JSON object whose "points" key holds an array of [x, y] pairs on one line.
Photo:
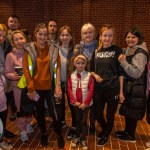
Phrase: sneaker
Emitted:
{"points": [[127, 138], [75, 142], [44, 140], [92, 128], [84, 145], [8, 134], [148, 144], [61, 142], [121, 133], [13, 116], [29, 129], [102, 141], [99, 136], [64, 124], [71, 134], [24, 136], [5, 146]]}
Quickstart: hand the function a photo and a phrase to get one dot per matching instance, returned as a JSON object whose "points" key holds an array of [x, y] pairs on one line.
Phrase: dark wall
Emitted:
{"points": [[121, 13]]}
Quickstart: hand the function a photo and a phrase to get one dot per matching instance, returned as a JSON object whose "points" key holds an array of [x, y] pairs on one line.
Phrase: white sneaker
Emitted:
{"points": [[5, 146], [29, 129], [24, 136], [148, 144]]}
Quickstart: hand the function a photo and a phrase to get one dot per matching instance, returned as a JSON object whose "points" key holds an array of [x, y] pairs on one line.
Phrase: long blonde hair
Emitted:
{"points": [[105, 28], [3, 28]]}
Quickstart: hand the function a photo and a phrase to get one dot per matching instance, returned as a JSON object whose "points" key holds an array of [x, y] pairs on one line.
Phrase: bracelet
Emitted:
{"points": [[58, 83]]}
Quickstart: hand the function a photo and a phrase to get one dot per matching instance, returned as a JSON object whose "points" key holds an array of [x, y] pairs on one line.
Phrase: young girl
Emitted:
{"points": [[80, 90], [108, 81], [13, 59], [45, 54], [66, 53], [87, 46]]}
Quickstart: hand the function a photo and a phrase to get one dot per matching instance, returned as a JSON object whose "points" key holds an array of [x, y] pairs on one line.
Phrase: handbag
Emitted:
{"points": [[27, 106]]}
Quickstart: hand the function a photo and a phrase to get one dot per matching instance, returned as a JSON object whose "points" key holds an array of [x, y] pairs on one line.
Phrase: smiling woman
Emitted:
{"points": [[43, 56]]}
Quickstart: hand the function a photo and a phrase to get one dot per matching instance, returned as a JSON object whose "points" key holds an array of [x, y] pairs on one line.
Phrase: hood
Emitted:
{"points": [[142, 46]]}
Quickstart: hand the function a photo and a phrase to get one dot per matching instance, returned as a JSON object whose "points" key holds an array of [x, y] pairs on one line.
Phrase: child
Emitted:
{"points": [[80, 90], [3, 112]]}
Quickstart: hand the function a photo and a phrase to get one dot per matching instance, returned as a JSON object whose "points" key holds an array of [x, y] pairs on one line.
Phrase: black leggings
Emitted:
{"points": [[110, 98], [130, 126], [54, 110]]}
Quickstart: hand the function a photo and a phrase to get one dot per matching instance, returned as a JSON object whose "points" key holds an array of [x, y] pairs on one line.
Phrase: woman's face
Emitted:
{"points": [[131, 40], [107, 37], [65, 37], [88, 36], [18, 40], [41, 36], [2, 36]]}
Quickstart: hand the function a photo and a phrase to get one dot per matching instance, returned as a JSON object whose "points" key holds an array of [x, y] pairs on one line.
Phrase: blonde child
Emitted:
{"points": [[80, 90]]}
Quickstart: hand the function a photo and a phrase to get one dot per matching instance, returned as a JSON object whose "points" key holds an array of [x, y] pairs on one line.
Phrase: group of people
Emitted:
{"points": [[91, 74]]}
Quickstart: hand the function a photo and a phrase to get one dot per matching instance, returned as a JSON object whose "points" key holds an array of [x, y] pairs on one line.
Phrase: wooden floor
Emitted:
{"points": [[142, 135]]}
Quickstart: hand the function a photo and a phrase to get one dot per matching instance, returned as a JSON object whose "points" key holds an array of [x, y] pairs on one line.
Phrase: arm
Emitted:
{"points": [[137, 66], [69, 90], [121, 95], [58, 91], [9, 69], [90, 94]]}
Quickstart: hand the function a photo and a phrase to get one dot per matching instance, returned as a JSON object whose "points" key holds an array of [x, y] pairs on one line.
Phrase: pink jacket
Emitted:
{"points": [[3, 105], [13, 59]]}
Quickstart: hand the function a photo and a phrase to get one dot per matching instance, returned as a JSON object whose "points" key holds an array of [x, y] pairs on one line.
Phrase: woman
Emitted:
{"points": [[66, 53], [108, 81], [134, 63], [3, 103], [43, 58], [14, 59]]}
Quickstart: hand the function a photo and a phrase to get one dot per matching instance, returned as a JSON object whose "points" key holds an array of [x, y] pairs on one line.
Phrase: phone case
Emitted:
{"points": [[37, 97]]}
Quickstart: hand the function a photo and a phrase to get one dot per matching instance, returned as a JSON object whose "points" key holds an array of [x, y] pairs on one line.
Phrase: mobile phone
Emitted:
{"points": [[37, 97]]}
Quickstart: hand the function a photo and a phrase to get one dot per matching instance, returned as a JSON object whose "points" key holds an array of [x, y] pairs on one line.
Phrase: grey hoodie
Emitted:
{"points": [[138, 63]]}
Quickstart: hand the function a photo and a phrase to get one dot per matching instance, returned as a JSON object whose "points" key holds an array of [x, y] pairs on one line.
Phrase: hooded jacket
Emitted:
{"points": [[135, 71]]}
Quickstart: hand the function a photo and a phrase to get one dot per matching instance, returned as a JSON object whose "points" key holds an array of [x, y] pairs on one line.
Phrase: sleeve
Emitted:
{"points": [[137, 66], [9, 67], [69, 90], [89, 97], [119, 68], [92, 63], [29, 80]]}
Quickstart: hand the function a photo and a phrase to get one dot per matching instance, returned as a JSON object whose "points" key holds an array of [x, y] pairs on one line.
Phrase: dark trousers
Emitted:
{"points": [[72, 110], [81, 122], [3, 116], [92, 115], [11, 101], [110, 98], [64, 107], [54, 109], [130, 126]]}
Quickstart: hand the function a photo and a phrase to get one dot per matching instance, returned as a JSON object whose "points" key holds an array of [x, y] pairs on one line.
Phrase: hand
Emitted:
{"points": [[98, 78], [121, 58], [77, 104], [16, 76], [82, 106], [58, 91], [121, 97], [32, 95]]}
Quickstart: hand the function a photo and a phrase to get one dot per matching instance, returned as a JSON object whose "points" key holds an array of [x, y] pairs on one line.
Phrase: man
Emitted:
{"points": [[13, 24], [52, 29]]}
